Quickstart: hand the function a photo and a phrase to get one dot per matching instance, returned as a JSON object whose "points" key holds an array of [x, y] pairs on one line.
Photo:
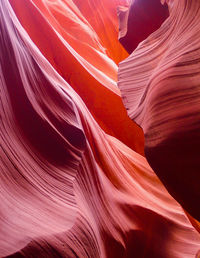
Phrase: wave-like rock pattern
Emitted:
{"points": [[160, 85], [96, 85], [68, 189], [138, 19]]}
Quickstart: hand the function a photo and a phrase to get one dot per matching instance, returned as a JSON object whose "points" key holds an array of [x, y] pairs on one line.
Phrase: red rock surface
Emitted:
{"points": [[138, 19], [73, 182], [160, 85]]}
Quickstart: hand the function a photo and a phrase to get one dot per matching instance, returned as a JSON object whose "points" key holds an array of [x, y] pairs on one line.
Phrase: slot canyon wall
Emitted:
{"points": [[74, 179]]}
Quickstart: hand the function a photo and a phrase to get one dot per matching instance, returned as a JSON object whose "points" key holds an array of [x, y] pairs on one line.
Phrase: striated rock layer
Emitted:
{"points": [[68, 188], [83, 57], [160, 86]]}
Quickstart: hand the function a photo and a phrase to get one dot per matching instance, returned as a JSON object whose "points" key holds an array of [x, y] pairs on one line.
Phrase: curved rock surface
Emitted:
{"points": [[138, 19], [67, 187], [160, 86]]}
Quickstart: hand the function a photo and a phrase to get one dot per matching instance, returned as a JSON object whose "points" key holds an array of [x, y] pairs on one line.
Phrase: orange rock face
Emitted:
{"points": [[84, 57], [73, 180]]}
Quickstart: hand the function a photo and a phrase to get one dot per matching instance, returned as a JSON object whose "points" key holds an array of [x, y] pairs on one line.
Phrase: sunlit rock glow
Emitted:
{"points": [[73, 180]]}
